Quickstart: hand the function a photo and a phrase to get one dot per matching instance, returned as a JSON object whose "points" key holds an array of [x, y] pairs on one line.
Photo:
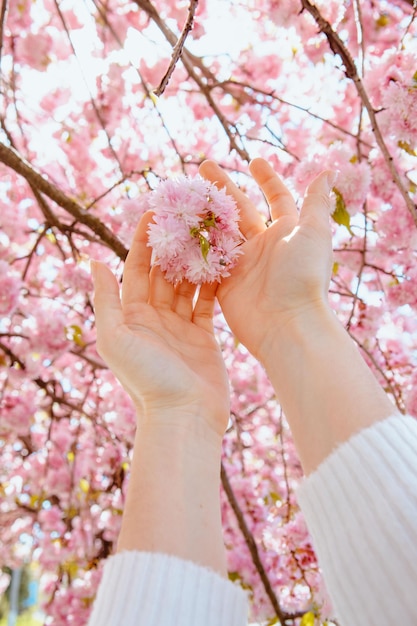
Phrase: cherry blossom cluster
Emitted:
{"points": [[67, 427], [195, 230]]}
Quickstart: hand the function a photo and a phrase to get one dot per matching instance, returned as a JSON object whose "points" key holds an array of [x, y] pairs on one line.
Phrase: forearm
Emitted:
{"points": [[173, 498], [326, 390]]}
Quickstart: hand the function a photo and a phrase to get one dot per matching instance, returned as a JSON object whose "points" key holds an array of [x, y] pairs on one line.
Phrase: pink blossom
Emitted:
{"points": [[10, 284], [34, 49], [51, 520], [50, 335], [17, 412], [411, 398], [76, 277], [399, 115], [195, 233]]}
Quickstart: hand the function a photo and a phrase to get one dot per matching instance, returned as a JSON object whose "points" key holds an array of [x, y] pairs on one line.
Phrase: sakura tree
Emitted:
{"points": [[101, 100]]}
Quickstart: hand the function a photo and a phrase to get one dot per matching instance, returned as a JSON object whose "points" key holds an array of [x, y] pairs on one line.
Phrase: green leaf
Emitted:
{"points": [[204, 246], [404, 145], [236, 577], [308, 619], [275, 497], [75, 333], [341, 214], [210, 220]]}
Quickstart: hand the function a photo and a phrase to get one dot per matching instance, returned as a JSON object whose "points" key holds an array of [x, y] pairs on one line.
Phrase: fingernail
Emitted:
{"points": [[332, 178]]}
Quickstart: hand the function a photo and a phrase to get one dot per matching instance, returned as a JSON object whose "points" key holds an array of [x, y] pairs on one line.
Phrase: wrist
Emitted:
{"points": [[180, 434], [296, 329], [185, 427], [175, 476]]}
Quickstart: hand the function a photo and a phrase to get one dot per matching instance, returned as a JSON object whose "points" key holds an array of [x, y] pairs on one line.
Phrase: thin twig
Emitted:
{"points": [[337, 46], [3, 13], [253, 549], [178, 48], [407, 30], [93, 102], [189, 61]]}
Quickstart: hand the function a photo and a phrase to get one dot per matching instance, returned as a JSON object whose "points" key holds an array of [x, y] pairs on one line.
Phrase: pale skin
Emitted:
{"points": [[325, 388], [162, 348]]}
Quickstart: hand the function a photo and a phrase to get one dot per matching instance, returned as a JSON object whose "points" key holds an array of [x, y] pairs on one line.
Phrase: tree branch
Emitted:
{"points": [[338, 47], [188, 61], [178, 48], [253, 549], [3, 13], [11, 158]]}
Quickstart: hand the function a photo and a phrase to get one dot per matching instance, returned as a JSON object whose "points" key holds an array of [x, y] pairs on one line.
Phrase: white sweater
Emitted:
{"points": [[361, 509]]}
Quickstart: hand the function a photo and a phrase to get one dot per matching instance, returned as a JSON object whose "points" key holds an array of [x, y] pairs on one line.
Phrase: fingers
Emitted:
{"points": [[135, 287], [317, 204], [251, 223], [107, 305], [161, 292], [276, 193], [204, 307], [183, 302]]}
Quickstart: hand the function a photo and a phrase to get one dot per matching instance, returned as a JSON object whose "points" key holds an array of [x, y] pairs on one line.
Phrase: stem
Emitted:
{"points": [[338, 47], [178, 48], [11, 158]]}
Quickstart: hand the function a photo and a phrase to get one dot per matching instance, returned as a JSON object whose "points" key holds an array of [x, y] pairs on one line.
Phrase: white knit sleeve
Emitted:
{"points": [[149, 589], [361, 509]]}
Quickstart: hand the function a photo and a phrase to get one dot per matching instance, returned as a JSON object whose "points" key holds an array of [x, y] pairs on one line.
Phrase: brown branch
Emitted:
{"points": [[3, 13], [178, 48], [12, 159], [253, 549], [272, 95], [104, 18], [337, 46], [189, 61], [13, 358]]}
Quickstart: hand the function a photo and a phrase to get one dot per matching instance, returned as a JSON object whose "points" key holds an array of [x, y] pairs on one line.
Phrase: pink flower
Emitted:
{"points": [[17, 412], [195, 233], [9, 289], [50, 336], [33, 50], [399, 117]]}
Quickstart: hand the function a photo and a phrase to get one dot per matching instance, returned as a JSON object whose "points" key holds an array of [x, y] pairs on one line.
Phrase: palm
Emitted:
{"points": [[172, 361], [159, 340], [283, 271], [285, 268]]}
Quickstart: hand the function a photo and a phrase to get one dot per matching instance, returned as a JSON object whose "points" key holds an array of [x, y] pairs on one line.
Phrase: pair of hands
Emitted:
{"points": [[160, 343]]}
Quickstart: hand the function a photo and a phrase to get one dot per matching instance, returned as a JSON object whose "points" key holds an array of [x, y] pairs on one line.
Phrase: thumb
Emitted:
{"points": [[107, 305], [317, 205]]}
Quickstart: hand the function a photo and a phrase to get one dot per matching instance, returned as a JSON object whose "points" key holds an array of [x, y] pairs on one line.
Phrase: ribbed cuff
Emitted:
{"points": [[361, 509], [149, 589]]}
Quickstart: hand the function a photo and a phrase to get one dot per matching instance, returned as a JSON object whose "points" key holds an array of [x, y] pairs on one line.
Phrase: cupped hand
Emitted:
{"points": [[158, 340], [285, 270]]}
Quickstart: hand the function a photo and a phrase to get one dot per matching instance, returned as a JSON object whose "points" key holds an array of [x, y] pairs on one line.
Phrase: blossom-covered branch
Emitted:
{"points": [[177, 50], [11, 158], [338, 47]]}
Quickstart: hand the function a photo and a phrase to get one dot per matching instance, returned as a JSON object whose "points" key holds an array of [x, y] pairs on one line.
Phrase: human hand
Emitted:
{"points": [[285, 270], [160, 344]]}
